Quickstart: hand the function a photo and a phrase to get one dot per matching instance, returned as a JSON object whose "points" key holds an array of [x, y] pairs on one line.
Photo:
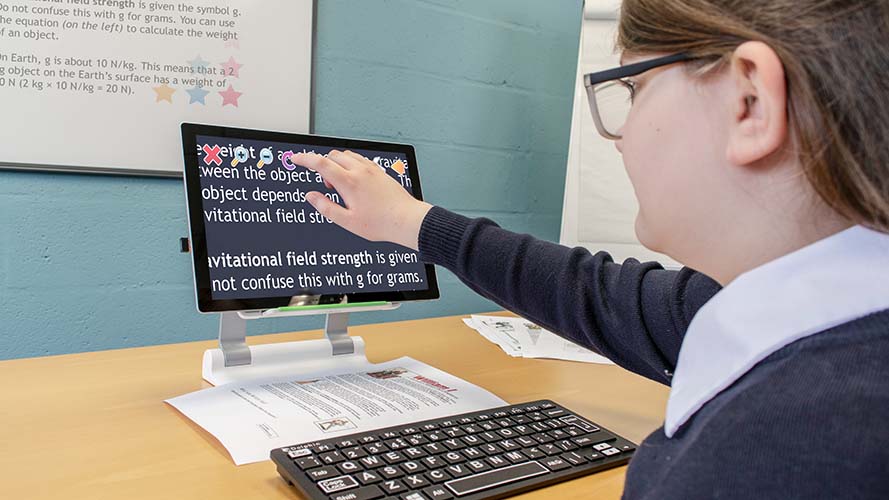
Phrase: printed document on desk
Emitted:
{"points": [[519, 337], [251, 418]]}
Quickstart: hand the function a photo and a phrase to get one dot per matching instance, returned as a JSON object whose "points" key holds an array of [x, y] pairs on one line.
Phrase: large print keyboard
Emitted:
{"points": [[492, 453]]}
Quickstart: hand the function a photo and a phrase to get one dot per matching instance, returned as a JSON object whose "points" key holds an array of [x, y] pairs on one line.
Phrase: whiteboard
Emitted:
{"points": [[103, 86], [600, 207]]}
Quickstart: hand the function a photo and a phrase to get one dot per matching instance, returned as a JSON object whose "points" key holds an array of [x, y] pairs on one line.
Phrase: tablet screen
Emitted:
{"points": [[258, 243]]}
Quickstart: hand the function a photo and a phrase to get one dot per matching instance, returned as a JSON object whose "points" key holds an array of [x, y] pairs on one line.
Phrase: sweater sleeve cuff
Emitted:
{"points": [[441, 234]]}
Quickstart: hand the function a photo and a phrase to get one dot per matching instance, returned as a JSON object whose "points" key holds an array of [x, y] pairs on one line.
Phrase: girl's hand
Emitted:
{"points": [[377, 208]]}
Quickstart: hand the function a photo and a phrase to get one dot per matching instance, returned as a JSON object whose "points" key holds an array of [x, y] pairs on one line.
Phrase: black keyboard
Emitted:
{"points": [[492, 453]]}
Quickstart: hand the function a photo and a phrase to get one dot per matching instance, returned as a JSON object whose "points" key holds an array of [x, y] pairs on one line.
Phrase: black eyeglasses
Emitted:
{"points": [[611, 95]]}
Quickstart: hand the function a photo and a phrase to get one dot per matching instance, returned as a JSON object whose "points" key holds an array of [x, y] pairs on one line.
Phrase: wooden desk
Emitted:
{"points": [[94, 425]]}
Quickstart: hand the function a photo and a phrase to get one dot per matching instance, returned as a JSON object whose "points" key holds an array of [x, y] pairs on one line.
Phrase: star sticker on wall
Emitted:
{"points": [[164, 93], [231, 67], [197, 63], [230, 96], [197, 94]]}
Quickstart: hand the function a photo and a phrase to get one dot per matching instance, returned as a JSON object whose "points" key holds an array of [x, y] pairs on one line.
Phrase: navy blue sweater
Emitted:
{"points": [[809, 421]]}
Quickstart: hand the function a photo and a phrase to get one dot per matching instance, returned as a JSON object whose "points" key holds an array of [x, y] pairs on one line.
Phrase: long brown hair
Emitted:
{"points": [[836, 61]]}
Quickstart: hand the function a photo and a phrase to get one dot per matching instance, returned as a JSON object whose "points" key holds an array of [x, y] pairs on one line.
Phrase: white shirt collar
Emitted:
{"points": [[828, 283]]}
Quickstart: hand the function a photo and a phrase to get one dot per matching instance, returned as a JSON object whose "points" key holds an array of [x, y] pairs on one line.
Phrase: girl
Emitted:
{"points": [[754, 133]]}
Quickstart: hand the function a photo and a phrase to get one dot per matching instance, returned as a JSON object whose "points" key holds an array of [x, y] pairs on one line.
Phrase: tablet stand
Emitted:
{"points": [[235, 361]]}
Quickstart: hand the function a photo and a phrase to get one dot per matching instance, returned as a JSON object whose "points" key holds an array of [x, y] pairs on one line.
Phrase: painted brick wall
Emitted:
{"points": [[483, 88]]}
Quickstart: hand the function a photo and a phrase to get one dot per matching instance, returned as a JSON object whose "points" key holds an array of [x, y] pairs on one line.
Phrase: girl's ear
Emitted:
{"points": [[758, 93]]}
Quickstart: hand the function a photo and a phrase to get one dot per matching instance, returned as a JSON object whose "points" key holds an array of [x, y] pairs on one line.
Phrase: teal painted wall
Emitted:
{"points": [[483, 88]]}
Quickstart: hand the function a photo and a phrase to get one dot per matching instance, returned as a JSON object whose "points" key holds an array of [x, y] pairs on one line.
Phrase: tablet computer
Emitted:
{"points": [[257, 244]]}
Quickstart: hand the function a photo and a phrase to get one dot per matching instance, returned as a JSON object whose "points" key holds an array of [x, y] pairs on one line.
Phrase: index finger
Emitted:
{"points": [[330, 170], [345, 159], [361, 160]]}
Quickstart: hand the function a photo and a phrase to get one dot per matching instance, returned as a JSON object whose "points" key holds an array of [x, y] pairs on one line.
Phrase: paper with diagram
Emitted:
{"points": [[252, 418], [519, 337]]}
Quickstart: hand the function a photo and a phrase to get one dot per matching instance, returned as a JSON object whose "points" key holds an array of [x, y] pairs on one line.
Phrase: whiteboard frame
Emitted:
{"points": [[81, 169], [601, 10]]}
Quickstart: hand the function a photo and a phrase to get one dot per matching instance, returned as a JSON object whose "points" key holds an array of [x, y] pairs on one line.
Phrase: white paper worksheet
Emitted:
{"points": [[519, 337], [251, 418]]}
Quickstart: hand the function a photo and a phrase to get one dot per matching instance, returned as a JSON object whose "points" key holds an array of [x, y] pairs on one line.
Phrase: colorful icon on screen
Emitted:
{"points": [[211, 155], [241, 156], [285, 160], [398, 166], [266, 157]]}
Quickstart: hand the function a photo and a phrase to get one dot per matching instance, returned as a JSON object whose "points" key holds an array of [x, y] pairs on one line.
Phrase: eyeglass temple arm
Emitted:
{"points": [[633, 69]]}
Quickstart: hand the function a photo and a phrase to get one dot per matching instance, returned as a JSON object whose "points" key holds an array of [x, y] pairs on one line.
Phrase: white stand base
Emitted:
{"points": [[235, 361], [286, 359]]}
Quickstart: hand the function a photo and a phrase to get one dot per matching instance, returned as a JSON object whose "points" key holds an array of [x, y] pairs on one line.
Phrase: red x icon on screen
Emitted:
{"points": [[212, 154]]}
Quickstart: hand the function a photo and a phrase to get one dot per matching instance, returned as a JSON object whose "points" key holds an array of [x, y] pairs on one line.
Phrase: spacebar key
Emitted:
{"points": [[496, 477]]}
